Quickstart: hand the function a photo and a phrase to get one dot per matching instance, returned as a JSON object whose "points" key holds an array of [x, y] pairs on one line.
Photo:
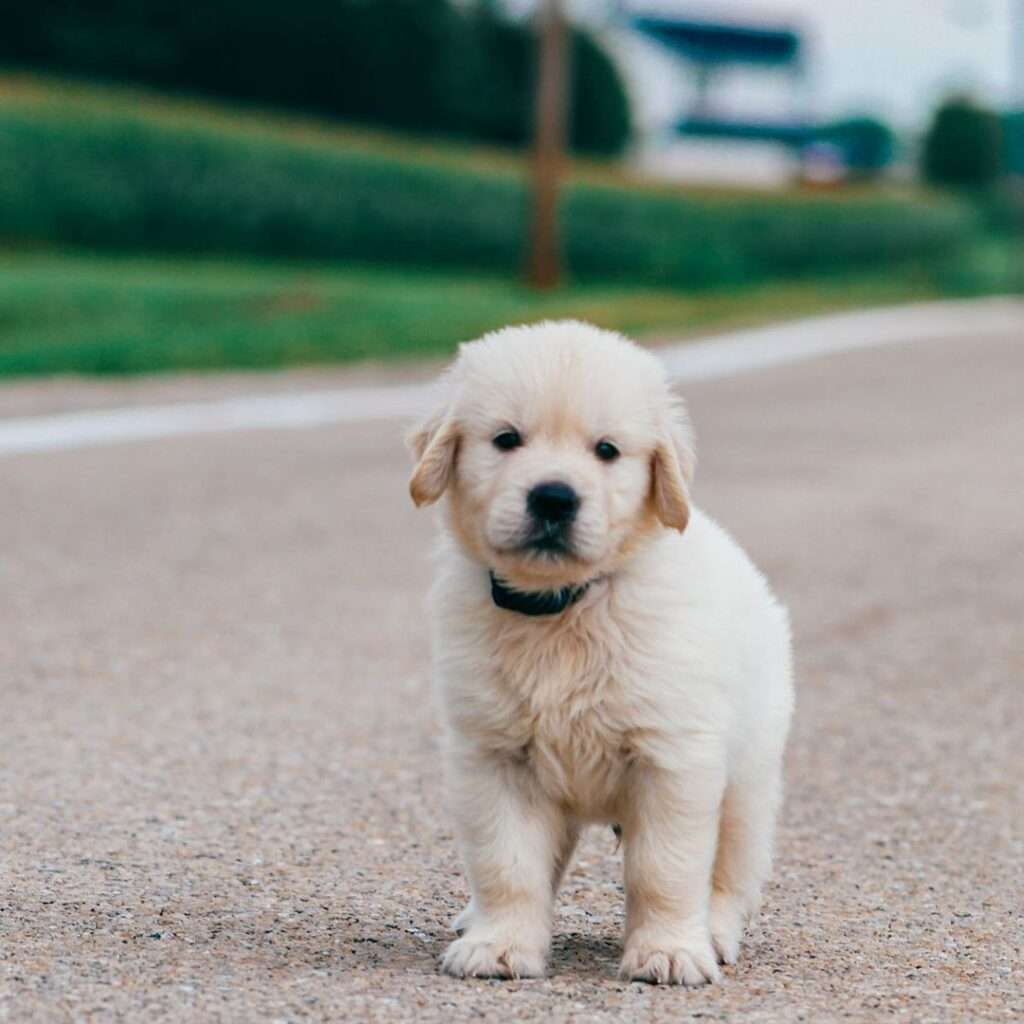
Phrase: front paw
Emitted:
{"points": [[668, 961], [470, 957]]}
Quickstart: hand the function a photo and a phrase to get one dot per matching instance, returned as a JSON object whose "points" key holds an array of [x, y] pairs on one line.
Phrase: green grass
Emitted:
{"points": [[78, 313]]}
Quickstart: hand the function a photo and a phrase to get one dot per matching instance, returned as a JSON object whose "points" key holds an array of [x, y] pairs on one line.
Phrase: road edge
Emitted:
{"points": [[717, 356]]}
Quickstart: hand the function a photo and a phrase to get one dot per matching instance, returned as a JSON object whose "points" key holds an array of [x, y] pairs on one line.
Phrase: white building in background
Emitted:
{"points": [[892, 59], [718, 97]]}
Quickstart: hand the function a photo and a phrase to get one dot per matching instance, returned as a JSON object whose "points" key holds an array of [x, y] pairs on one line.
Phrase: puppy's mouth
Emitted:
{"points": [[551, 540], [547, 542]]}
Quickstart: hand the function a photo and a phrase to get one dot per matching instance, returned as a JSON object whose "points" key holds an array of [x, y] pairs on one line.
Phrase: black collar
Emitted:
{"points": [[539, 602]]}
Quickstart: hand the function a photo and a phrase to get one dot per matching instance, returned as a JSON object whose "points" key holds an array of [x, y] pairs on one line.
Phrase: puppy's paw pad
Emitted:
{"points": [[725, 922], [475, 958], [691, 965]]}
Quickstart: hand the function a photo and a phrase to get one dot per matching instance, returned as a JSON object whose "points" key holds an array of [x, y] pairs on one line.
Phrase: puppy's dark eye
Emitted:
{"points": [[507, 440], [606, 451]]}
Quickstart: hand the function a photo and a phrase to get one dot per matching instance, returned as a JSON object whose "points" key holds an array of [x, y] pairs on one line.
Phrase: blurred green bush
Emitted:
{"points": [[428, 66], [1013, 142], [125, 182], [963, 147]]}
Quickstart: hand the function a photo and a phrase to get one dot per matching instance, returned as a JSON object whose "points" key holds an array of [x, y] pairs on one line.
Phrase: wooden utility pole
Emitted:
{"points": [[544, 268]]}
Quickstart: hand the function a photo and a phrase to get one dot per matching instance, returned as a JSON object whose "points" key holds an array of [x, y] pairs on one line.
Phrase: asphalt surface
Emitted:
{"points": [[219, 796]]}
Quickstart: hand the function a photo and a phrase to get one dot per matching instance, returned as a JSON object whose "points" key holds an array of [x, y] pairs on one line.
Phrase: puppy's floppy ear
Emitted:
{"points": [[434, 445], [673, 466]]}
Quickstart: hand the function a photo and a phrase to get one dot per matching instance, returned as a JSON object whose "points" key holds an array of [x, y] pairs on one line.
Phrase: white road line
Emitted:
{"points": [[778, 344], [720, 356], [259, 412]]}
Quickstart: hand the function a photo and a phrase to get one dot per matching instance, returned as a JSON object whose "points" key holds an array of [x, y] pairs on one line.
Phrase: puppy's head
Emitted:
{"points": [[561, 448]]}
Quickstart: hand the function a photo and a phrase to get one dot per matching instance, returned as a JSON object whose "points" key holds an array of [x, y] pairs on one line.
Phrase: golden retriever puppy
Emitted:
{"points": [[604, 653]]}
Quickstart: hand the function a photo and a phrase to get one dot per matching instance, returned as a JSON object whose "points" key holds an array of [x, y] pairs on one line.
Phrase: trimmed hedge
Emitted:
{"points": [[124, 182]]}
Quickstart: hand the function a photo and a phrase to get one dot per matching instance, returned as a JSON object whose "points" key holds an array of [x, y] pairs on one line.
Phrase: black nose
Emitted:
{"points": [[553, 502]]}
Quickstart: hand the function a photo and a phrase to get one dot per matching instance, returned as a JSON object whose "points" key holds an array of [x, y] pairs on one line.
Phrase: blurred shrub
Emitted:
{"points": [[600, 121], [122, 182], [420, 65], [493, 78], [963, 147], [989, 266], [867, 144], [1013, 142]]}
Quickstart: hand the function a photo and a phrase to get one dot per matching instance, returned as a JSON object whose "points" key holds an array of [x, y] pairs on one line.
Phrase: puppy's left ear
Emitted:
{"points": [[673, 465], [434, 444]]}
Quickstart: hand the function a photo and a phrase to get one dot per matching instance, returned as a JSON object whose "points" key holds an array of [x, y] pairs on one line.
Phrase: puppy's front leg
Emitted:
{"points": [[670, 833], [510, 836]]}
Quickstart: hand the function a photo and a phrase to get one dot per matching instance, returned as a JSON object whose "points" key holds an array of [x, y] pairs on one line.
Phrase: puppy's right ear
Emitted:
{"points": [[434, 444]]}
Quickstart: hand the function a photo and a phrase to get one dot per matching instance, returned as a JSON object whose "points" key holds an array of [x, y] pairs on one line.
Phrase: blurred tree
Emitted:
{"points": [[1013, 137], [498, 72], [419, 65], [1007, 207], [600, 121], [963, 147], [497, 68], [866, 143]]}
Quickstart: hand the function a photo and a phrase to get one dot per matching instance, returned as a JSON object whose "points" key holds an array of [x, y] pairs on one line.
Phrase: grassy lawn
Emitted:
{"points": [[80, 313]]}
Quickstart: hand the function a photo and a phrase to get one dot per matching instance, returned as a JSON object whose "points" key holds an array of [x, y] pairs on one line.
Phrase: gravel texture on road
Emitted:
{"points": [[220, 797]]}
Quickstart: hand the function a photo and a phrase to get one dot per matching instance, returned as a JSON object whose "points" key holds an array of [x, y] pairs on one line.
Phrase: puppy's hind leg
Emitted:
{"points": [[567, 840], [743, 860]]}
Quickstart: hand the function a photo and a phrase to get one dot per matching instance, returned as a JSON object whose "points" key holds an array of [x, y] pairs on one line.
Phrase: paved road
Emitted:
{"points": [[220, 800]]}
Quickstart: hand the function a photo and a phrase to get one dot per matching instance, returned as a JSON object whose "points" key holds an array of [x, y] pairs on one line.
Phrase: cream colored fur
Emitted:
{"points": [[659, 702]]}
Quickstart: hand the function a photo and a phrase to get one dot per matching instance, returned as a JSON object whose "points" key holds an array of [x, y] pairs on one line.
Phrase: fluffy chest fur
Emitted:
{"points": [[556, 696], [646, 668]]}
